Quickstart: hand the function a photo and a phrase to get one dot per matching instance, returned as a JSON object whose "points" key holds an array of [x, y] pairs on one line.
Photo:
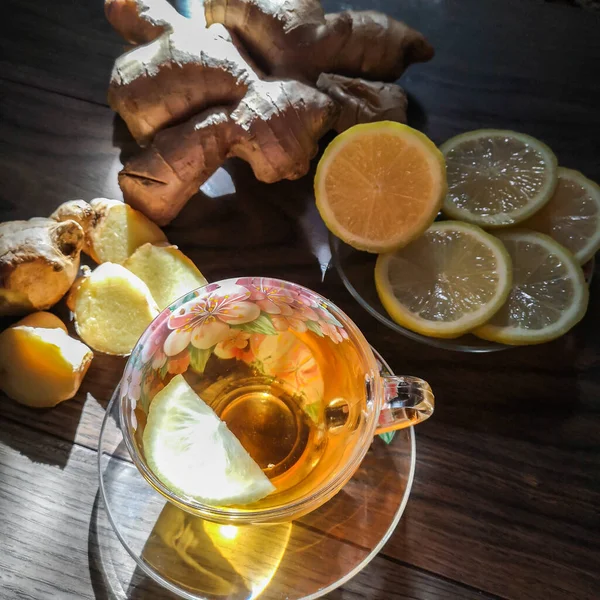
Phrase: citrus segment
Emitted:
{"points": [[447, 282], [548, 296], [380, 185], [193, 452], [497, 178], [572, 216]]}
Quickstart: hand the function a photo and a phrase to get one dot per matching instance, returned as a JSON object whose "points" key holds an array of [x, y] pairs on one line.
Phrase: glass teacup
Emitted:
{"points": [[288, 372]]}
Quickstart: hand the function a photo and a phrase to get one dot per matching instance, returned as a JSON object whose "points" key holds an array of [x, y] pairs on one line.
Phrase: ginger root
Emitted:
{"points": [[42, 319], [112, 308], [113, 230], [39, 260], [119, 230], [80, 212], [161, 179], [196, 94], [168, 272], [297, 39], [41, 367]]}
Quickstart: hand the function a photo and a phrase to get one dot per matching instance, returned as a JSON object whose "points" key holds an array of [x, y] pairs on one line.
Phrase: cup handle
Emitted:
{"points": [[407, 401]]}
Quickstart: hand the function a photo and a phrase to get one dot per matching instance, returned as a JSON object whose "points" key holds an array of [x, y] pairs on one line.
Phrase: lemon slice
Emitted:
{"points": [[548, 296], [195, 455], [497, 178], [449, 281], [380, 185], [572, 216]]}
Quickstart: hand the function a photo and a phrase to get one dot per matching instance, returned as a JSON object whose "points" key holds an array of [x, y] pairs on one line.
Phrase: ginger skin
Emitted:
{"points": [[80, 212], [39, 260], [297, 39], [195, 95], [112, 229]]}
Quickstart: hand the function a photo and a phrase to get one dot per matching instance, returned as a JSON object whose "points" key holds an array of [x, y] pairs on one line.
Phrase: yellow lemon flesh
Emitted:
{"points": [[195, 455], [497, 178], [572, 216], [548, 296], [449, 281], [379, 186]]}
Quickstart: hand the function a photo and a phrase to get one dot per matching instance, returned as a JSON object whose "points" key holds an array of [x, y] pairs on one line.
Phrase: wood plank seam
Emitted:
{"points": [[465, 586], [40, 88], [63, 446]]}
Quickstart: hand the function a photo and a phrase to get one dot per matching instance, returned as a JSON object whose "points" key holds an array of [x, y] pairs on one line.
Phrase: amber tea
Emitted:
{"points": [[295, 405]]}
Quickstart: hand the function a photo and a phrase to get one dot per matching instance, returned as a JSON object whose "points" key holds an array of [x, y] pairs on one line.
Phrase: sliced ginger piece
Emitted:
{"points": [[118, 231], [166, 270], [41, 367], [42, 319], [112, 308]]}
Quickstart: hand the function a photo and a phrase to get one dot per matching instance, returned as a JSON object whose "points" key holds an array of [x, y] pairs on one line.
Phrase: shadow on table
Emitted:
{"points": [[109, 576], [238, 225], [16, 435]]}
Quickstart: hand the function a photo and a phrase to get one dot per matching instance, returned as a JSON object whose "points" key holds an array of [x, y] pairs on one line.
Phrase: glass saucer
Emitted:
{"points": [[199, 560], [356, 270]]}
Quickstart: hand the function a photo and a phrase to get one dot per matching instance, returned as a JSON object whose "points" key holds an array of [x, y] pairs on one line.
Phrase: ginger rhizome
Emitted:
{"points": [[113, 230], [112, 307], [166, 270], [261, 80], [40, 365], [39, 260]]}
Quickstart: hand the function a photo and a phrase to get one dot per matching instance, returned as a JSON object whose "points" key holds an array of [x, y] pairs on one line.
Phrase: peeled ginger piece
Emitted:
{"points": [[112, 308], [118, 231], [41, 367], [168, 272], [43, 319]]}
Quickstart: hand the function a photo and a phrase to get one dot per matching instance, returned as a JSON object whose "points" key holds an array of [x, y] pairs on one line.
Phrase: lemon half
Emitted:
{"points": [[380, 185]]}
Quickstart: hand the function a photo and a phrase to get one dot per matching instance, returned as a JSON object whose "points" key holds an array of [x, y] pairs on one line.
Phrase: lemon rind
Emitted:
{"points": [[517, 336], [437, 163], [593, 244], [501, 220], [454, 329]]}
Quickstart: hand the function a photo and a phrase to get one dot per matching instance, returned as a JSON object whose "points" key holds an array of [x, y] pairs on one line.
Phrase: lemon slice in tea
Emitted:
{"points": [[497, 178], [572, 216], [548, 296], [449, 281], [380, 185], [195, 455]]}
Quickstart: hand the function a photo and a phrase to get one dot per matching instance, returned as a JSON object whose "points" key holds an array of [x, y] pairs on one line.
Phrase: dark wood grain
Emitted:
{"points": [[508, 476], [522, 512], [67, 561], [526, 65]]}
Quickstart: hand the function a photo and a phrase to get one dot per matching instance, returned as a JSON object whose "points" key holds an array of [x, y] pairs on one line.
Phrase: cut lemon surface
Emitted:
{"points": [[497, 178], [548, 296], [572, 216], [449, 281], [380, 185], [195, 455]]}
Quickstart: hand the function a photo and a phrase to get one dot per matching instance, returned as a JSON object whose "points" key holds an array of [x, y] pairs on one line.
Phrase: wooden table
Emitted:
{"points": [[507, 489]]}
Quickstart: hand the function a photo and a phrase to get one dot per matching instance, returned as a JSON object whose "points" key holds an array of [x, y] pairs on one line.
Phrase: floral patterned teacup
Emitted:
{"points": [[306, 358]]}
